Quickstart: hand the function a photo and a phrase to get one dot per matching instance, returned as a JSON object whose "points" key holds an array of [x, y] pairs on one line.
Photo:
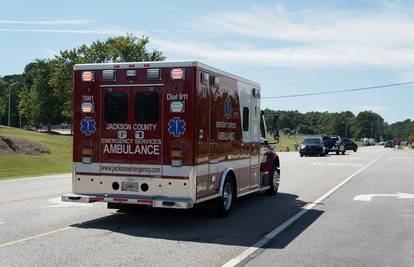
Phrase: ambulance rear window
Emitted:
{"points": [[146, 107], [116, 107]]}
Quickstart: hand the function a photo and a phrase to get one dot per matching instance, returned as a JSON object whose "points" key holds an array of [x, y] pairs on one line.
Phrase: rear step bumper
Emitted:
{"points": [[156, 202]]}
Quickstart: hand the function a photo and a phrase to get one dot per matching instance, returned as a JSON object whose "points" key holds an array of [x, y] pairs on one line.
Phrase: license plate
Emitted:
{"points": [[130, 186]]}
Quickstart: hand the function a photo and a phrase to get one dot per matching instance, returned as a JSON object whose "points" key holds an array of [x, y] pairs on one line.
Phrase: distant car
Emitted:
{"points": [[372, 142], [333, 143], [350, 144], [389, 143], [365, 142], [381, 143], [312, 146]]}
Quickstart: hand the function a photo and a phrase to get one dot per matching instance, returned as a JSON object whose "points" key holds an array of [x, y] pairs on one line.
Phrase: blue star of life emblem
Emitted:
{"points": [[176, 127], [87, 126], [227, 107]]}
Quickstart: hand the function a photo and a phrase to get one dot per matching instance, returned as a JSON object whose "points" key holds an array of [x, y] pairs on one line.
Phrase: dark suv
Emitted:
{"points": [[389, 143], [334, 143], [350, 144], [312, 146]]}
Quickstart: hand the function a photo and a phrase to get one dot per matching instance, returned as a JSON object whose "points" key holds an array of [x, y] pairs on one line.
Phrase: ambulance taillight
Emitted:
{"points": [[87, 154], [176, 157]]}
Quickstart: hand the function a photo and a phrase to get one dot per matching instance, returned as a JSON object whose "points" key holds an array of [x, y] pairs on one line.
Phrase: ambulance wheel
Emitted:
{"points": [[225, 201], [274, 185]]}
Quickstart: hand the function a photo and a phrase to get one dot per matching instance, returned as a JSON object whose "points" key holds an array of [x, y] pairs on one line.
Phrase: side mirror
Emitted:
{"points": [[271, 124], [276, 136]]}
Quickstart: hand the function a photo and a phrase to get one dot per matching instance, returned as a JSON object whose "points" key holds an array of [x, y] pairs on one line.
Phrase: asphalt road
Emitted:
{"points": [[36, 229]]}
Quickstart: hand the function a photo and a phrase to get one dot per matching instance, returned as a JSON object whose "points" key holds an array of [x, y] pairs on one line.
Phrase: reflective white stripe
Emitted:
{"points": [[138, 169], [156, 170], [80, 167]]}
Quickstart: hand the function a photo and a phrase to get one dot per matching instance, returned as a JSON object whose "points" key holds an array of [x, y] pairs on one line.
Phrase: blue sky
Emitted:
{"points": [[289, 47]]}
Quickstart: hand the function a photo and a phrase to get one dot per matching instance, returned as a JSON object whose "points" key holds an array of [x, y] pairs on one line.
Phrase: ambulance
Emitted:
{"points": [[169, 135]]}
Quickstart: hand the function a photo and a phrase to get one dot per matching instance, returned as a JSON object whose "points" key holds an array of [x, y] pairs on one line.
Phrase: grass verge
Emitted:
{"points": [[287, 143], [18, 165]]}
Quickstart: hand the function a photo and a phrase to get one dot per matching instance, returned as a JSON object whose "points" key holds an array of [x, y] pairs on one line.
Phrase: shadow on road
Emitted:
{"points": [[252, 217], [295, 229]]}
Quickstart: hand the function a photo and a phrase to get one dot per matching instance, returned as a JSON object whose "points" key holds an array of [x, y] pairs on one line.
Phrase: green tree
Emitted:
{"points": [[368, 124], [38, 102], [3, 97], [14, 84], [127, 48]]}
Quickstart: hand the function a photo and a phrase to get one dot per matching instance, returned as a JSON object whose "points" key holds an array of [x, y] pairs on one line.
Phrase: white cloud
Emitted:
{"points": [[315, 26], [302, 57], [274, 36], [48, 22], [303, 39]]}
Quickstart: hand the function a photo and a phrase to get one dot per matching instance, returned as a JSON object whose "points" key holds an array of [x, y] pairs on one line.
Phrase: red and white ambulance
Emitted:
{"points": [[168, 135]]}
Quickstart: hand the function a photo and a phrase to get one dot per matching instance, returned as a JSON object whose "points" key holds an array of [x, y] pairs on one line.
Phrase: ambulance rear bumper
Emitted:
{"points": [[156, 202]]}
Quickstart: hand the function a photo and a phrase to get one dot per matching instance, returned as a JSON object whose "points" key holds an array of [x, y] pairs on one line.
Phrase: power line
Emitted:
{"points": [[340, 91]]}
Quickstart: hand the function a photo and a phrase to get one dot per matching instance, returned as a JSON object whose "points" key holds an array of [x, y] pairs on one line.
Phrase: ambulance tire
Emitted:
{"points": [[274, 183], [225, 201]]}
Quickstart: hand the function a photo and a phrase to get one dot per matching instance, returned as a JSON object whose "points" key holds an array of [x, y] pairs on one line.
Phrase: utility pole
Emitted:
{"points": [[10, 86]]}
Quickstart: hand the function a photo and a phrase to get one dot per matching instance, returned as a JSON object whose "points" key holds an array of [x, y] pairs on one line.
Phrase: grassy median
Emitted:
{"points": [[59, 160], [287, 143]]}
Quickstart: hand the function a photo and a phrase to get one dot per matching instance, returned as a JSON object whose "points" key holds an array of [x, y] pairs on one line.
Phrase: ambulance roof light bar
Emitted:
{"points": [[154, 74], [88, 76], [177, 74], [109, 75], [87, 107]]}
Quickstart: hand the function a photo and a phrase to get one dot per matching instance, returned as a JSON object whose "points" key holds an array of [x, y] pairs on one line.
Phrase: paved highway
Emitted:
{"points": [[311, 223]]}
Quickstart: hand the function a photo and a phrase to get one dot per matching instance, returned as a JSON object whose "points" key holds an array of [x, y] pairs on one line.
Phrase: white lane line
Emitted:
{"points": [[34, 237], [30, 198], [249, 251], [336, 164], [52, 232], [368, 197], [23, 179]]}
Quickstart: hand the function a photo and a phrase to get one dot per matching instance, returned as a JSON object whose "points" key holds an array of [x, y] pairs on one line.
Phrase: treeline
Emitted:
{"points": [[366, 124], [43, 93]]}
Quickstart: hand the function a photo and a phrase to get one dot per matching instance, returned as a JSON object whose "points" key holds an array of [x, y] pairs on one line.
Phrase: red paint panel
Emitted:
{"points": [[96, 199], [181, 138], [120, 199]]}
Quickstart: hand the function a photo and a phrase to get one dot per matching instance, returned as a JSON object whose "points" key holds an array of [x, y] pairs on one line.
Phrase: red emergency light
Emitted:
{"points": [[177, 74], [88, 76]]}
